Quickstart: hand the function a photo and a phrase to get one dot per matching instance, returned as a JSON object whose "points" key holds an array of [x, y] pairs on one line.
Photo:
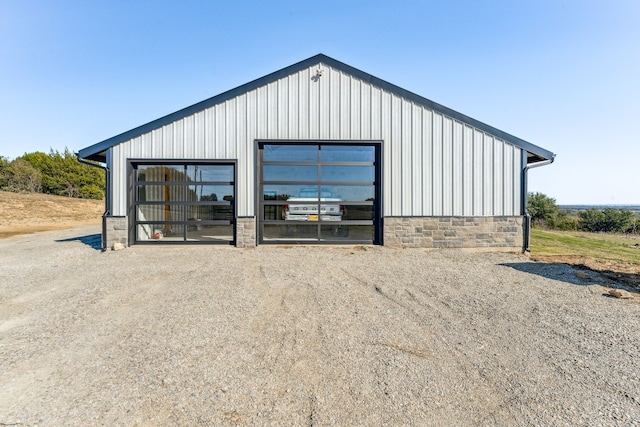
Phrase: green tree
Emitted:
{"points": [[591, 220], [543, 210], [608, 220], [64, 175], [4, 164], [20, 176]]}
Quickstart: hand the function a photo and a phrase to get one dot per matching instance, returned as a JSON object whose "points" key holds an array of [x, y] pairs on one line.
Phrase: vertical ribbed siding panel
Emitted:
{"points": [[200, 137], [292, 106], [517, 180], [304, 106], [261, 111], [478, 172], [498, 178], [437, 165], [314, 109], [118, 180], [339, 108], [345, 107], [355, 114], [324, 106], [282, 109], [487, 179], [507, 177], [427, 162], [396, 155], [416, 161], [405, 164], [458, 169], [216, 148], [468, 186], [366, 106], [230, 140], [272, 110], [446, 189], [240, 150], [385, 134], [210, 129]]}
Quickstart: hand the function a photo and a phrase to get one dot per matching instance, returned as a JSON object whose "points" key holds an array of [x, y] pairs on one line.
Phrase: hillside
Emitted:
{"points": [[32, 212]]}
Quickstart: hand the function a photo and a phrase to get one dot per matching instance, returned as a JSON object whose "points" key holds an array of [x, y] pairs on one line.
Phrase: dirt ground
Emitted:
{"points": [[316, 336], [30, 213]]}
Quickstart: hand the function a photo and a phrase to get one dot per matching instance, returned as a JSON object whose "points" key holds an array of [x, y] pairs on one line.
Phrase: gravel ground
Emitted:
{"points": [[307, 336]]}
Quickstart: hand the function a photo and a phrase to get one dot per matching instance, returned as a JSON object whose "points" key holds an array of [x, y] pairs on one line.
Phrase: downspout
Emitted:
{"points": [[525, 198], [106, 197]]}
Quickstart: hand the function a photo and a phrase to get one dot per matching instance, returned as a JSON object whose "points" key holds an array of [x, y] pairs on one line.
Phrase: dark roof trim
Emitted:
{"points": [[97, 151]]}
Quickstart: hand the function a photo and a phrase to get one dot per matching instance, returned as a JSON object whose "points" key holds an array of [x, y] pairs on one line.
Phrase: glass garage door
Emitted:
{"points": [[319, 193], [183, 202]]}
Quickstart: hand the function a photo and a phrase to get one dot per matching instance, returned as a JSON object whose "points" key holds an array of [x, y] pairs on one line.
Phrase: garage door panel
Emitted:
{"points": [[333, 200]]}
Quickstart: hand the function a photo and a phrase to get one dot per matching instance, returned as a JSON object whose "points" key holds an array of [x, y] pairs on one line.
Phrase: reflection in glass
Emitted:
{"points": [[210, 173], [348, 173], [160, 213], [209, 212], [347, 232], [358, 212], [160, 232], [290, 173], [290, 231], [160, 193], [160, 173], [282, 191], [347, 153], [210, 232], [210, 193], [273, 212], [352, 193], [290, 153]]}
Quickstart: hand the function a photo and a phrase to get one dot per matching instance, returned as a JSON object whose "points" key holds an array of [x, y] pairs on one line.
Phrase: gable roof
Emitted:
{"points": [[97, 151]]}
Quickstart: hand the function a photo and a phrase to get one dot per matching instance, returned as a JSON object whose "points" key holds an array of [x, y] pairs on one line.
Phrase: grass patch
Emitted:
{"points": [[612, 247]]}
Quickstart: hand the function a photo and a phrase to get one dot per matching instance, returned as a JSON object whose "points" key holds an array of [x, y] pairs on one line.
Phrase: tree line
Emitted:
{"points": [[54, 173], [545, 213]]}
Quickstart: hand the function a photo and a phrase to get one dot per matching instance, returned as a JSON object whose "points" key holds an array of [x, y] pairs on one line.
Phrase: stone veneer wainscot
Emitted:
{"points": [[504, 232]]}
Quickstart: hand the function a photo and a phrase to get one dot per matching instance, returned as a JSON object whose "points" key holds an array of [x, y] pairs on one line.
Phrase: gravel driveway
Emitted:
{"points": [[307, 336]]}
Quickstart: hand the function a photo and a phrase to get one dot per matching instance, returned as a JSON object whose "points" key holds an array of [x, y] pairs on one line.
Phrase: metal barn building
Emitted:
{"points": [[318, 152]]}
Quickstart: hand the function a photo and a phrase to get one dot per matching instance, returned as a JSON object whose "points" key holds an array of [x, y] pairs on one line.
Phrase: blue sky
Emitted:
{"points": [[564, 75]]}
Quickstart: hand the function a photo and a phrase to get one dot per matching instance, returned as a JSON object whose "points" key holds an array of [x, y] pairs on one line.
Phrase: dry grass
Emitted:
{"points": [[30, 213]]}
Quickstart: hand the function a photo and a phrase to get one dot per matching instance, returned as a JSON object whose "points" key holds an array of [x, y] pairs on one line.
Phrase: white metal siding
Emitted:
{"points": [[433, 164]]}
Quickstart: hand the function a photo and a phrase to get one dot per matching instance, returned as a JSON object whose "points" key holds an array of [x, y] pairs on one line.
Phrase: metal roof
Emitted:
{"points": [[97, 151]]}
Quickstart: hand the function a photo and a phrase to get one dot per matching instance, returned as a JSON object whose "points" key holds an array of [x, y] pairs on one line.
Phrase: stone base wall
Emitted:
{"points": [[115, 230], [455, 232], [245, 232]]}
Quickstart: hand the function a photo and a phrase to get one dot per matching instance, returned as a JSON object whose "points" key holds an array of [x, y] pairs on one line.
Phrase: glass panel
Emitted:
{"points": [[290, 173], [273, 212], [346, 232], [160, 193], [307, 232], [209, 213], [210, 173], [210, 233], [352, 193], [210, 193], [347, 153], [160, 213], [290, 153], [282, 191], [357, 213], [160, 232], [348, 173], [160, 173]]}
